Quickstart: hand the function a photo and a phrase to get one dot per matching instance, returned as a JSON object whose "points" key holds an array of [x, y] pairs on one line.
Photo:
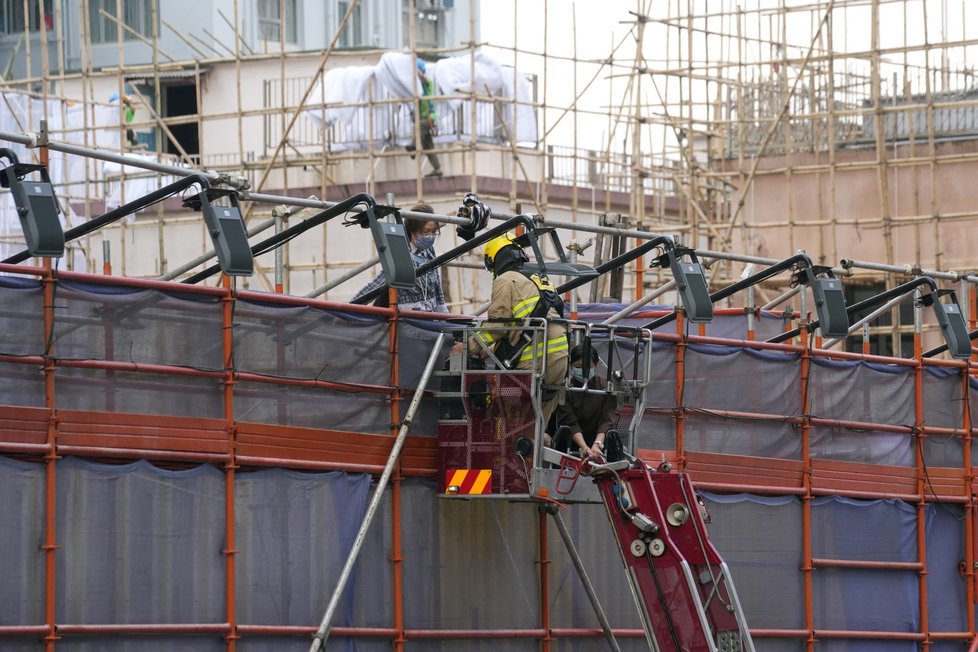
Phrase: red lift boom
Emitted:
{"points": [[681, 585]]}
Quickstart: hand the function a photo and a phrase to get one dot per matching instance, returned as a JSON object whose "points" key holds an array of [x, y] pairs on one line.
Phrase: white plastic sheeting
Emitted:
{"points": [[20, 113], [74, 177], [339, 100], [138, 181]]}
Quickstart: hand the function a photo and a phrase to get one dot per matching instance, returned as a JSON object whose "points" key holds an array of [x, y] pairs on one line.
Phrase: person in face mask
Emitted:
{"points": [[427, 294], [584, 419]]}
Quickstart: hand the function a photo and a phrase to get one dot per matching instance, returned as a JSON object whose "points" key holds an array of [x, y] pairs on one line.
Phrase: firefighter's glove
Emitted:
{"points": [[477, 213]]}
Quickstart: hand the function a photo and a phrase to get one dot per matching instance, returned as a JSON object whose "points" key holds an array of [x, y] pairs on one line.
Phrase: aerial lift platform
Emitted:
{"points": [[491, 445], [490, 416]]}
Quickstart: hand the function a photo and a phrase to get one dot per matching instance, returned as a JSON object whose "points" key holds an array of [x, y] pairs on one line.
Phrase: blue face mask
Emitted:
{"points": [[578, 374], [423, 242]]}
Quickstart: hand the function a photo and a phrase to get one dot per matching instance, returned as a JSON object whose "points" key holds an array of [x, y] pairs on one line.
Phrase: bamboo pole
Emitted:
{"points": [[86, 93], [161, 123], [157, 142], [696, 187], [777, 121], [205, 44], [787, 125], [544, 195], [122, 137], [833, 215], [180, 36], [511, 137], [152, 43], [305, 96], [473, 116], [574, 117], [238, 40], [28, 64]]}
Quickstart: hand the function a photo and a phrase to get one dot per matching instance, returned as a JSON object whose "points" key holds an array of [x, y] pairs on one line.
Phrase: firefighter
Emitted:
{"points": [[519, 295]]}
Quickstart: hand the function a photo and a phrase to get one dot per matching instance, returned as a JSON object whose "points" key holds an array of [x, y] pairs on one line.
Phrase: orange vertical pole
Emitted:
{"points": [[969, 516], [973, 300], [806, 505], [50, 458], [680, 387], [397, 559], [230, 550], [918, 401], [50, 546], [544, 583], [969, 506]]}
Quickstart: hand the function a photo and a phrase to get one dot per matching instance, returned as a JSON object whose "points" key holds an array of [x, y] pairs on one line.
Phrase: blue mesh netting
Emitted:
{"points": [[139, 544]]}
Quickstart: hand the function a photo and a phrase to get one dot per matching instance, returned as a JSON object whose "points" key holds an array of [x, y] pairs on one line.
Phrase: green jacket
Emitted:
{"points": [[426, 107]]}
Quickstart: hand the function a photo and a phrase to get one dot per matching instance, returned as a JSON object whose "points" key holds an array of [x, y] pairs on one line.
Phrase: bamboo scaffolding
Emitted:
{"points": [[714, 57]]}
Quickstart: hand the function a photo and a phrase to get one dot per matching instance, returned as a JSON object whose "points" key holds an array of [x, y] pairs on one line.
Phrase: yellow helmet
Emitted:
{"points": [[494, 246]]}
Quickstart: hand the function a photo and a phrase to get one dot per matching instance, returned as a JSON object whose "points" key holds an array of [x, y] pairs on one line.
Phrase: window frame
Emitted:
{"points": [[352, 35], [267, 20], [12, 21], [137, 14]]}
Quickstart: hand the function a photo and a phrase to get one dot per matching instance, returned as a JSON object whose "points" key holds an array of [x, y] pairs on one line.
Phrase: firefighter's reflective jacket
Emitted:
{"points": [[518, 295]]}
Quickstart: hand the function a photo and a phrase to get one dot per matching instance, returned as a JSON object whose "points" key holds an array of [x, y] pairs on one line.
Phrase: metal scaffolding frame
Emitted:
{"points": [[40, 437]]}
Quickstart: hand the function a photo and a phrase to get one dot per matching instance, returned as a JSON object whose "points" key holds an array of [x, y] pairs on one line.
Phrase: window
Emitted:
{"points": [[429, 22], [270, 20], [12, 16], [181, 100], [136, 14], [352, 36]]}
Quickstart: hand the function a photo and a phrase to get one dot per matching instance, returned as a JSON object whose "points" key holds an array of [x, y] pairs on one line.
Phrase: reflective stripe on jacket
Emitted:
{"points": [[514, 296]]}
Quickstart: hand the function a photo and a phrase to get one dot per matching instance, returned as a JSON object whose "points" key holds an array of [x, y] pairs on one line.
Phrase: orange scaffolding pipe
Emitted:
{"points": [[230, 549], [397, 560], [969, 509], [807, 568], [546, 634], [680, 410], [52, 449], [918, 400], [50, 492]]}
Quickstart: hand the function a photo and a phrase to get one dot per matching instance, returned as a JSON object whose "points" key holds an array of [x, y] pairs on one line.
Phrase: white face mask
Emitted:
{"points": [[578, 374]]}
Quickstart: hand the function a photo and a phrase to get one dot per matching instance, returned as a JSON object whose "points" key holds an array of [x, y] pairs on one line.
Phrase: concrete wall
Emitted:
{"points": [[932, 213]]}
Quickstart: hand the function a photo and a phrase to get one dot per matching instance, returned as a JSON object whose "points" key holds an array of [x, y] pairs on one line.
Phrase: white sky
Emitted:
{"points": [[602, 23]]}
